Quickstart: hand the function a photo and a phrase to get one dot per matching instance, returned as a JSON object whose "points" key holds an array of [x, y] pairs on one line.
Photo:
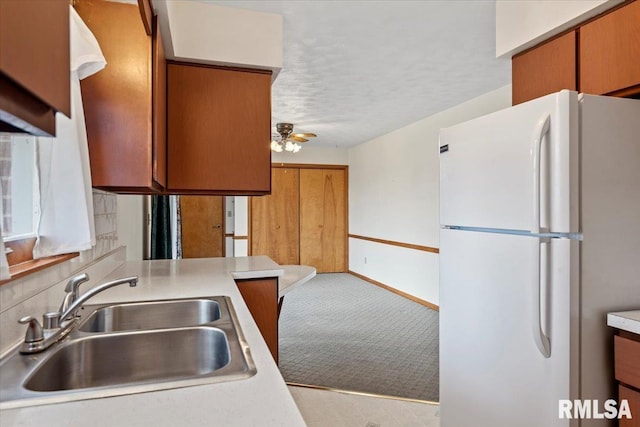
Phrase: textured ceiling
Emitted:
{"points": [[355, 70]]}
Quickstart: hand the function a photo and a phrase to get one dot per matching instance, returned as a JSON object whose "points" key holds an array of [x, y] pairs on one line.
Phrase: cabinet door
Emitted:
{"points": [[34, 63], [219, 130], [275, 221], [159, 96], [323, 229], [261, 297], [545, 69], [610, 53], [117, 100], [633, 399]]}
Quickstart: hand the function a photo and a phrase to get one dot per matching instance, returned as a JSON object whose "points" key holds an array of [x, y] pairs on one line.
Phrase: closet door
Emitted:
{"points": [[323, 228], [275, 223]]}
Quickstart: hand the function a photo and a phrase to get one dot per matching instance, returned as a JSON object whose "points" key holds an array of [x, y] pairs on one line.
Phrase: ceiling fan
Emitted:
{"points": [[286, 140]]}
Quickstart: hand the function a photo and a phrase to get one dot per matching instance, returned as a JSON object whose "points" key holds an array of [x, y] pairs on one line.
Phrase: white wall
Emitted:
{"points": [[393, 195], [240, 225], [131, 225], [313, 155], [202, 32], [229, 224], [523, 24]]}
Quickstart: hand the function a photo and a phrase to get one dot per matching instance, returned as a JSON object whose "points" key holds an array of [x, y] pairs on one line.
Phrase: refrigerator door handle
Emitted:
{"points": [[542, 341], [542, 127]]}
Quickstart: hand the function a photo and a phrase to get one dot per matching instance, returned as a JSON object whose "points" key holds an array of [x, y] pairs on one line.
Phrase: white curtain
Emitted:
{"points": [[66, 221]]}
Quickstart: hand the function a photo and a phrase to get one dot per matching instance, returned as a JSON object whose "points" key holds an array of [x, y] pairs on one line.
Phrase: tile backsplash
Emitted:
{"points": [[43, 290]]}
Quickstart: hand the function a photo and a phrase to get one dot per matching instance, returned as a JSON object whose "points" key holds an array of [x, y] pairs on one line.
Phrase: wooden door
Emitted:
{"points": [[275, 219], [202, 219], [323, 227]]}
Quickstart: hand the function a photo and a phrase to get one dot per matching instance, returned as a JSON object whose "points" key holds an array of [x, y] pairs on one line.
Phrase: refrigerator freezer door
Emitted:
{"points": [[492, 373], [489, 168]]}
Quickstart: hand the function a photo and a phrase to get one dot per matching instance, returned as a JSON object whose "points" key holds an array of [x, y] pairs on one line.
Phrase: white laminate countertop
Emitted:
{"points": [[294, 275], [262, 400], [625, 320]]}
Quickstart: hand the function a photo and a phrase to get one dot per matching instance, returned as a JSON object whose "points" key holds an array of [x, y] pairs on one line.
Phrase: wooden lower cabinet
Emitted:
{"points": [[261, 297], [633, 397], [627, 372]]}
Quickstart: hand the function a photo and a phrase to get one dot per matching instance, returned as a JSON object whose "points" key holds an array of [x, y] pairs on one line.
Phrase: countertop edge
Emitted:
{"points": [[625, 320]]}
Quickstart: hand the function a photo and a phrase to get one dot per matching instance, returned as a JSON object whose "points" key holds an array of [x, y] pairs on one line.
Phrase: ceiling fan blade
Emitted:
{"points": [[305, 135], [298, 138]]}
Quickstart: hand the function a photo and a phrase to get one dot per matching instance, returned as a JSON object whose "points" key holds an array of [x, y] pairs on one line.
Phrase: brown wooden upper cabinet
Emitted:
{"points": [[610, 53], [34, 65], [218, 130], [546, 69], [125, 103], [599, 57]]}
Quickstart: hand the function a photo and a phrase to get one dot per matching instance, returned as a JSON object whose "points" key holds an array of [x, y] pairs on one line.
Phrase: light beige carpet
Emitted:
{"points": [[341, 332]]}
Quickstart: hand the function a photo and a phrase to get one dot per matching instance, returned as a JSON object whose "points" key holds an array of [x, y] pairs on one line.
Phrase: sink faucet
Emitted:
{"points": [[72, 291], [59, 324], [132, 281]]}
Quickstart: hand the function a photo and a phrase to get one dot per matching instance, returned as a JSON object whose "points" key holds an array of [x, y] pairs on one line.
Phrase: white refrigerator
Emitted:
{"points": [[539, 239]]}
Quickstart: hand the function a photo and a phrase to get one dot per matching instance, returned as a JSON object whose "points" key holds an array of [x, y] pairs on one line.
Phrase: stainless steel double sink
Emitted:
{"points": [[127, 348]]}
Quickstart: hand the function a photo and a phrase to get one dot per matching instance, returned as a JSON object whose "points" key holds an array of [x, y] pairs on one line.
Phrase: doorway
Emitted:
{"points": [[202, 219]]}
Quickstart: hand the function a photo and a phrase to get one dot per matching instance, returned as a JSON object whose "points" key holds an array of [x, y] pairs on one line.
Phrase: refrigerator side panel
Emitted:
{"points": [[491, 371], [610, 219]]}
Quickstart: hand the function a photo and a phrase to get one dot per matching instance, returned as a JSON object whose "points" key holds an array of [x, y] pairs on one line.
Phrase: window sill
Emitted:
{"points": [[21, 262], [24, 268]]}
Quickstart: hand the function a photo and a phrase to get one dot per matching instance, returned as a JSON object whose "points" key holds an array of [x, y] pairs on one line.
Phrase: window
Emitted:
{"points": [[17, 177]]}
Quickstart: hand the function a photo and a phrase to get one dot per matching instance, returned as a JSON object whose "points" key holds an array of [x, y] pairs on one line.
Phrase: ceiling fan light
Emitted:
{"points": [[289, 146], [285, 140], [276, 146]]}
